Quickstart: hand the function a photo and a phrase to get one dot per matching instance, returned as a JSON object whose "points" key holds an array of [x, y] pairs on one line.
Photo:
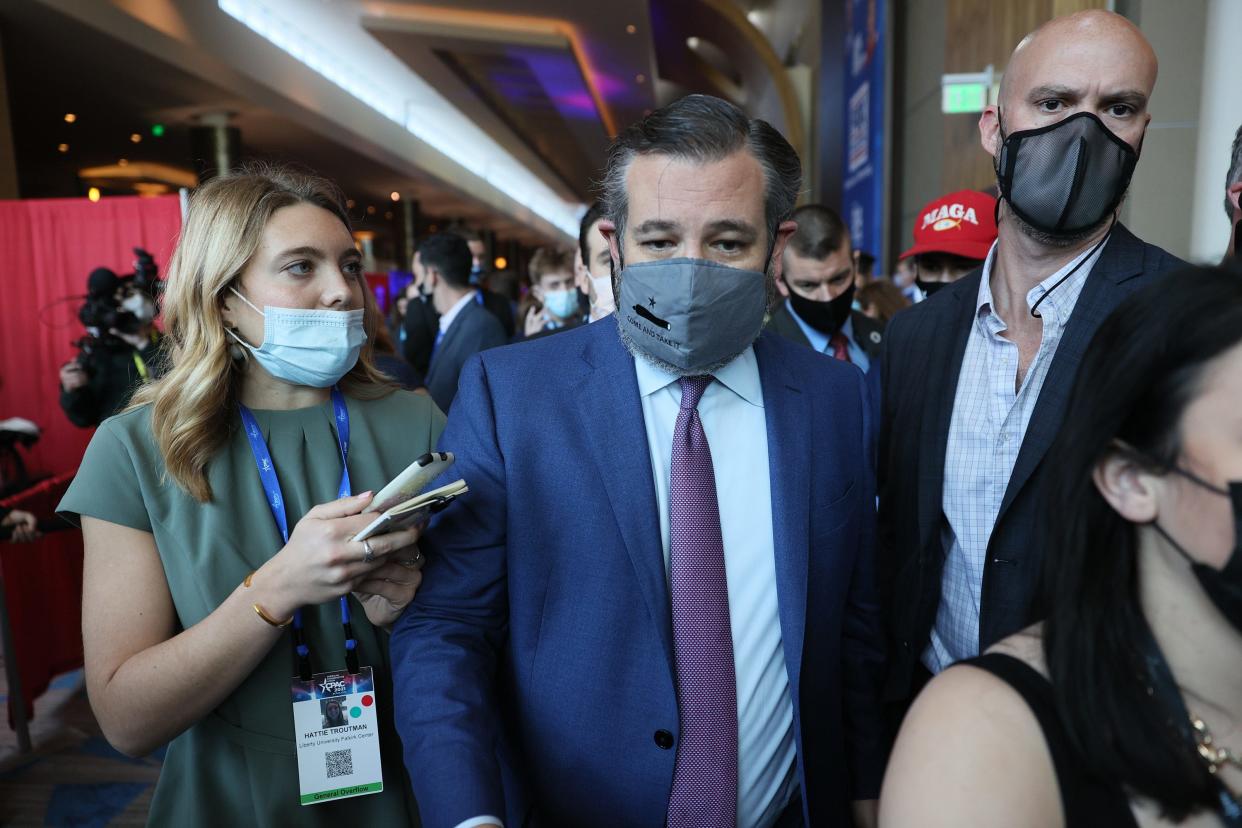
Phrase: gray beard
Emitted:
{"points": [[1063, 240], [639, 353]]}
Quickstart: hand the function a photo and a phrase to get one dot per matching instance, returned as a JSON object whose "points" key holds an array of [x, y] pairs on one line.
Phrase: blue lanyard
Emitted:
{"points": [[276, 502]]}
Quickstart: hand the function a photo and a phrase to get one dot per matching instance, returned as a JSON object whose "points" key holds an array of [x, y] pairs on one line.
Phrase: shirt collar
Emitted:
{"points": [[741, 376], [1060, 303], [453, 312]]}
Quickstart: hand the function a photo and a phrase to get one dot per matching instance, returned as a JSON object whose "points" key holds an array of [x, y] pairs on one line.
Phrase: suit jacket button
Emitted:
{"points": [[663, 739]]}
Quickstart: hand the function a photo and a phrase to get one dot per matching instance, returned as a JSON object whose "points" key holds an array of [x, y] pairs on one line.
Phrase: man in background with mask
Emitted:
{"points": [[975, 380], [1233, 190], [655, 606], [817, 283], [497, 305], [559, 305], [952, 236], [594, 264], [421, 321], [464, 328]]}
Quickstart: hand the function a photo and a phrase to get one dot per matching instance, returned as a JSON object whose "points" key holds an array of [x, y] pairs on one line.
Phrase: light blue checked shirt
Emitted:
{"points": [[985, 435]]}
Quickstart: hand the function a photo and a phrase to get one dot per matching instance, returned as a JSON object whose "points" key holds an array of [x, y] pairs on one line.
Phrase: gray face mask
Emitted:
{"points": [[690, 316]]}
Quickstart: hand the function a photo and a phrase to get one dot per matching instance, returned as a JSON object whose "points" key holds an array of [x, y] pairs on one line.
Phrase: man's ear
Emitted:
{"points": [[609, 231], [777, 262], [989, 130], [1235, 193], [1128, 487]]}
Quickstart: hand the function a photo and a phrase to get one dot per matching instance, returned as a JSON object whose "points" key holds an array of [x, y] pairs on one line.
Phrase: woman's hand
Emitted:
{"points": [[389, 590], [535, 321], [320, 562]]}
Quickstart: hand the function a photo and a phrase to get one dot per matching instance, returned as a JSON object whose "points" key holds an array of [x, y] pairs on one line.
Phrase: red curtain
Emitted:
{"points": [[47, 249], [43, 586]]}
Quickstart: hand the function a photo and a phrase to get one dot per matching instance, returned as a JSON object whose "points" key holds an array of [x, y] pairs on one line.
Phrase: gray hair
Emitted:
{"points": [[703, 128], [1235, 171]]}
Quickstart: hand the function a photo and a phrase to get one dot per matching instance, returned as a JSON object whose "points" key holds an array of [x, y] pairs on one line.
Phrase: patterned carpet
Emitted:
{"points": [[73, 777]]}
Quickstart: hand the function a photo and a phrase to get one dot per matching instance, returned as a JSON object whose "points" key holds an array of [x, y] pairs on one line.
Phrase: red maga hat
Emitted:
{"points": [[961, 223]]}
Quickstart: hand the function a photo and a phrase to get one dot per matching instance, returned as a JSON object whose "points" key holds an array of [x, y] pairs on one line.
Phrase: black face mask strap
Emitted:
{"points": [[1074, 269]]}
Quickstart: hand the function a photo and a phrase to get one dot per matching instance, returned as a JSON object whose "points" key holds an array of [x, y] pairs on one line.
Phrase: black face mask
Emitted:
{"points": [[825, 317], [930, 288], [1223, 586], [1065, 178]]}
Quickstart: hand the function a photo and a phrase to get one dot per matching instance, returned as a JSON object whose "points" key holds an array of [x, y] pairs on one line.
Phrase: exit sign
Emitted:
{"points": [[966, 91], [963, 97]]}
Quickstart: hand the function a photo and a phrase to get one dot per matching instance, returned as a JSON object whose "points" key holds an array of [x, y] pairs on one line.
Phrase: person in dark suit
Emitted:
{"points": [[496, 304], [421, 321], [817, 283], [975, 379], [655, 606], [464, 326]]}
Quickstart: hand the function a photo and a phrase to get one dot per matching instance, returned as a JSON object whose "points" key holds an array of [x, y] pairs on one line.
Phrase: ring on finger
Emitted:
{"points": [[368, 554]]}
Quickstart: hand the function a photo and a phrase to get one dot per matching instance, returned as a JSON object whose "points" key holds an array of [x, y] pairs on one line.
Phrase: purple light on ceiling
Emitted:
{"points": [[561, 78]]}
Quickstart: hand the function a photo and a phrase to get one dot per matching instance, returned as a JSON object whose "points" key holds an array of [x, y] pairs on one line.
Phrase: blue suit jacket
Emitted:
{"points": [[535, 666]]}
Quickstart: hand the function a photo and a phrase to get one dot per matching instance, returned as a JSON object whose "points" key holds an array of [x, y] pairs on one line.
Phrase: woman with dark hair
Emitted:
{"points": [[1125, 706]]}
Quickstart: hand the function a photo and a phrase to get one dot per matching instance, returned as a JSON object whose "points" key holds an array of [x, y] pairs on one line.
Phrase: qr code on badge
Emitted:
{"points": [[339, 763]]}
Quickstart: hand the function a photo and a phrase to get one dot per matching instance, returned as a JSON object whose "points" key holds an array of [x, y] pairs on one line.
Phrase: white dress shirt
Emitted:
{"points": [[731, 410], [447, 319], [985, 435]]}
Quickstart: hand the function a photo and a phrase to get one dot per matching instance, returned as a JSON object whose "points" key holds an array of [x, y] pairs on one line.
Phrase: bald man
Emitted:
{"points": [[975, 378]]}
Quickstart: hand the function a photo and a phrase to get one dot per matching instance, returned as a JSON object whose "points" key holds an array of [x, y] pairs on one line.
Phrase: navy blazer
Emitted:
{"points": [[922, 360], [534, 670], [475, 329]]}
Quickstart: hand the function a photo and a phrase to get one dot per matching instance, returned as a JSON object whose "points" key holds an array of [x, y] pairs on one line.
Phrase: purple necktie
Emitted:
{"points": [[704, 793]]}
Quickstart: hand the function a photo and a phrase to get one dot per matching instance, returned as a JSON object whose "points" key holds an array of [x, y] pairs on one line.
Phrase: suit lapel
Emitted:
{"points": [[944, 368], [610, 406], [1121, 259], [787, 412], [783, 323]]}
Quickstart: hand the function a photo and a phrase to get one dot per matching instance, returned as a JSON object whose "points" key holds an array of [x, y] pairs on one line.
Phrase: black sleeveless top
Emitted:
{"points": [[1086, 800]]}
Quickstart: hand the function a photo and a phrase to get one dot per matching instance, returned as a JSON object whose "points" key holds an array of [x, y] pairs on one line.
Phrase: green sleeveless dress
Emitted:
{"points": [[238, 765]]}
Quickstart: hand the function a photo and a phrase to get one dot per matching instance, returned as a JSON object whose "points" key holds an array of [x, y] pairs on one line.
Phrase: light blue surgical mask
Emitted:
{"points": [[307, 347], [690, 316], [561, 303]]}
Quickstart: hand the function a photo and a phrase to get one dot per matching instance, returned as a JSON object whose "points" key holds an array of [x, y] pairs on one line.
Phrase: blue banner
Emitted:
{"points": [[863, 181]]}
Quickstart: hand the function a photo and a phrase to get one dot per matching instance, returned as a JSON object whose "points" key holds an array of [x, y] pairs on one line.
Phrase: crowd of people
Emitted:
{"points": [[752, 537]]}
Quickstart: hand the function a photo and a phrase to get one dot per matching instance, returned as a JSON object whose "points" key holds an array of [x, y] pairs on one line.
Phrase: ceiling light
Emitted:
{"points": [[350, 204], [692, 42], [388, 215], [135, 138], [395, 196], [93, 194], [371, 210], [408, 100], [640, 78], [62, 148], [631, 29], [70, 117], [754, 16], [500, 263]]}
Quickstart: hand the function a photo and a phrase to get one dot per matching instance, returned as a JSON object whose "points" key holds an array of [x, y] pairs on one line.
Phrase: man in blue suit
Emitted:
{"points": [[656, 604]]}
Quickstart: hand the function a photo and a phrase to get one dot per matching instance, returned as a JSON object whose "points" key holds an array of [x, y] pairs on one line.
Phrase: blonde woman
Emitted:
{"points": [[190, 586]]}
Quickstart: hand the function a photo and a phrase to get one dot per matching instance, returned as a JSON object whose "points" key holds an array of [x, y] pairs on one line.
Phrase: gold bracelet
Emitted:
{"points": [[263, 613]]}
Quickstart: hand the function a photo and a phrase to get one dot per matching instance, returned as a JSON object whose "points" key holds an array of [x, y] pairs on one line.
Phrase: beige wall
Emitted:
{"points": [[1159, 206]]}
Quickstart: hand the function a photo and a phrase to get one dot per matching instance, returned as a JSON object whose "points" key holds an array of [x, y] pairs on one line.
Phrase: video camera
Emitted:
{"points": [[125, 304]]}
